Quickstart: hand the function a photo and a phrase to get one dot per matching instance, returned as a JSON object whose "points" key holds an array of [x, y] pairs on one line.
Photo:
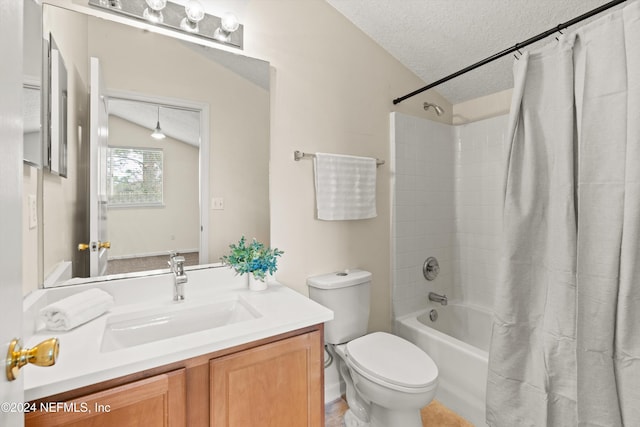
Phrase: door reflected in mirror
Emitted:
{"points": [[152, 185], [219, 151]]}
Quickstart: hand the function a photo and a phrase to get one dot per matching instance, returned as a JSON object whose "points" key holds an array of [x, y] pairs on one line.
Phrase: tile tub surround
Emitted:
{"points": [[81, 362], [479, 174], [446, 204], [423, 209]]}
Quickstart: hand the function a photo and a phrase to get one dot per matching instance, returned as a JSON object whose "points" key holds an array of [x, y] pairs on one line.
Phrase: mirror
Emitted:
{"points": [[146, 71]]}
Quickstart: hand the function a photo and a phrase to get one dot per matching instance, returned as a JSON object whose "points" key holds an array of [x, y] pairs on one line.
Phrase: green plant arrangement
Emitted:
{"points": [[255, 258]]}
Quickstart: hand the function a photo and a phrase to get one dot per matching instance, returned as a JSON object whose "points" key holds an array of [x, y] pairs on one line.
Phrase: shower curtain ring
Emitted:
{"points": [[517, 50]]}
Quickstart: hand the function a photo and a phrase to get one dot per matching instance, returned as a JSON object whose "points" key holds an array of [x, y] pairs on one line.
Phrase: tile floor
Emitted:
{"points": [[433, 415]]}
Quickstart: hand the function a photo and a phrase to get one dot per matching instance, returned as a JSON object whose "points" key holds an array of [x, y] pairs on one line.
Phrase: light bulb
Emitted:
{"points": [[195, 13], [156, 5], [153, 13], [229, 22], [153, 16], [194, 10]]}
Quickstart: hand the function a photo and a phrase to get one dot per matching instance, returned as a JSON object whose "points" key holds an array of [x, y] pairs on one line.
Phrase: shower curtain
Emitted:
{"points": [[565, 347]]}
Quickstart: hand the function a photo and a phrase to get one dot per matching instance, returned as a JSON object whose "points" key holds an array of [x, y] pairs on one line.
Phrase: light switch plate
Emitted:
{"points": [[217, 203]]}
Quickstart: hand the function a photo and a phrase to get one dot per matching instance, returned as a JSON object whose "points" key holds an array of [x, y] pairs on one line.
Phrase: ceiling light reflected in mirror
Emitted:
{"points": [[157, 132]]}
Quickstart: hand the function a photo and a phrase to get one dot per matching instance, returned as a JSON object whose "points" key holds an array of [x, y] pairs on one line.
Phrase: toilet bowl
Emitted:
{"points": [[388, 379], [393, 378]]}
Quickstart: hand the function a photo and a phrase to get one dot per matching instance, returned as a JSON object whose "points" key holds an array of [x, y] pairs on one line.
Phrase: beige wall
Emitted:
{"points": [[484, 107], [173, 226], [332, 91]]}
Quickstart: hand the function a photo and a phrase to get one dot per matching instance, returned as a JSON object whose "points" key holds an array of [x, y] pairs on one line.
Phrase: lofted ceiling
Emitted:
{"points": [[435, 38], [180, 124]]}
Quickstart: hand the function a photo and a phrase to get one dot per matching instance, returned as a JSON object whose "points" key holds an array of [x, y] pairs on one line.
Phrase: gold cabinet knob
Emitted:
{"points": [[43, 354]]}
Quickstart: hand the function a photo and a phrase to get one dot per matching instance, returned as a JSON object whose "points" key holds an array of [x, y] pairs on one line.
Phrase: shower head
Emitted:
{"points": [[438, 109]]}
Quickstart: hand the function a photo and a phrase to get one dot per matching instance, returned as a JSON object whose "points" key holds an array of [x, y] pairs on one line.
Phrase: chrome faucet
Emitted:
{"points": [[176, 262], [442, 299]]}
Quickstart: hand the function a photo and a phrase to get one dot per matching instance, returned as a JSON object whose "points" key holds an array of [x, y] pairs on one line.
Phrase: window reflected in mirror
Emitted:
{"points": [[134, 177]]}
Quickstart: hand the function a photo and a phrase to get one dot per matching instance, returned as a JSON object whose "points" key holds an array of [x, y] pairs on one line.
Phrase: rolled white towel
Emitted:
{"points": [[75, 310]]}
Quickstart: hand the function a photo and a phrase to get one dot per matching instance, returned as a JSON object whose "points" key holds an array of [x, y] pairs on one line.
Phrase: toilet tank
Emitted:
{"points": [[347, 294]]}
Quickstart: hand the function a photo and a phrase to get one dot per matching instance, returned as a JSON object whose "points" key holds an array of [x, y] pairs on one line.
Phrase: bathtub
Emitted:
{"points": [[458, 342]]}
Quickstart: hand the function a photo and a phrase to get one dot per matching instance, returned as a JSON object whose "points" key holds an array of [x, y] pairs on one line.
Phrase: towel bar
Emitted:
{"points": [[298, 155]]}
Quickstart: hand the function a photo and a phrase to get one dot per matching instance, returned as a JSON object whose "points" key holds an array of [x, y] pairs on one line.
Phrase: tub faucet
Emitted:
{"points": [[176, 263], [442, 299]]}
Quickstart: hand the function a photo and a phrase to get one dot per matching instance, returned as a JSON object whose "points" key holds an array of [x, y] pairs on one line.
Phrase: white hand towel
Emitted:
{"points": [[345, 187], [75, 310]]}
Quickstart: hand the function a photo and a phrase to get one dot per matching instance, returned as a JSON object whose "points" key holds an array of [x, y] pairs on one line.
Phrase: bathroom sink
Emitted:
{"points": [[145, 326]]}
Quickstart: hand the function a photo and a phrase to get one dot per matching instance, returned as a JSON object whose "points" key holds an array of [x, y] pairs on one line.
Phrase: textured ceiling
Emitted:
{"points": [[435, 38]]}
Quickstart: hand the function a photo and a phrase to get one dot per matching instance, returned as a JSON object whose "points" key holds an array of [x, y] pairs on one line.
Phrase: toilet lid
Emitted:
{"points": [[392, 359]]}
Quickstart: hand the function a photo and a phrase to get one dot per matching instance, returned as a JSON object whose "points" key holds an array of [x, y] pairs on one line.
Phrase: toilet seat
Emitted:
{"points": [[392, 361]]}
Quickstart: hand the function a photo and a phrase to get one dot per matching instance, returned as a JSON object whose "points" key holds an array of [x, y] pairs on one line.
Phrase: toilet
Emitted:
{"points": [[388, 379]]}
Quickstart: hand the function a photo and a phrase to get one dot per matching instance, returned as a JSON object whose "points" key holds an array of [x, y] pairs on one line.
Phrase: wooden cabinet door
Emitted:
{"points": [[156, 401], [275, 385]]}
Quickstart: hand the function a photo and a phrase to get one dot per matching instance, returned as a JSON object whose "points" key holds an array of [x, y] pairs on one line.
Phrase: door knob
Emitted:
{"points": [[43, 354], [94, 246]]}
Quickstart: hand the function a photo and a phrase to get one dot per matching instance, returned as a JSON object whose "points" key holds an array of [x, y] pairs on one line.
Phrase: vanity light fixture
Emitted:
{"points": [[157, 132], [190, 18], [195, 13]]}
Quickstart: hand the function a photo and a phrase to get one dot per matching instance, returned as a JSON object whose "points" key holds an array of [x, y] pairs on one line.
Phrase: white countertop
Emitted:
{"points": [[81, 361]]}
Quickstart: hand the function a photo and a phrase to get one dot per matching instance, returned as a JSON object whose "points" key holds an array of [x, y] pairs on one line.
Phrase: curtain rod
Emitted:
{"points": [[513, 48]]}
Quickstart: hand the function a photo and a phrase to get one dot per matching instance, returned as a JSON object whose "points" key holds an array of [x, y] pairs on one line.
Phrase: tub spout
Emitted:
{"points": [[442, 299]]}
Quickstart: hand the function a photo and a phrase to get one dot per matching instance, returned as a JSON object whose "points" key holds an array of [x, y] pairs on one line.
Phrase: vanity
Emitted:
{"points": [[225, 356]]}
